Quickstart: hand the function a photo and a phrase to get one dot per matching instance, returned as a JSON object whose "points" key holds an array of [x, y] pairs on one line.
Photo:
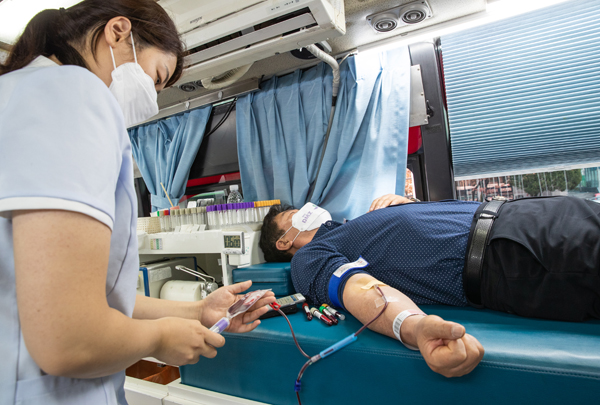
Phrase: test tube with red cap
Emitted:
{"points": [[323, 310], [319, 315]]}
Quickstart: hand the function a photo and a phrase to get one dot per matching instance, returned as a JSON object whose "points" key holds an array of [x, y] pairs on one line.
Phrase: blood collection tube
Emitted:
{"points": [[307, 311], [328, 311], [335, 312], [319, 315], [323, 310]]}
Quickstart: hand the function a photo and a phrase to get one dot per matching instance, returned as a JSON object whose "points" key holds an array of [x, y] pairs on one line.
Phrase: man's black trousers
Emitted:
{"points": [[543, 259]]}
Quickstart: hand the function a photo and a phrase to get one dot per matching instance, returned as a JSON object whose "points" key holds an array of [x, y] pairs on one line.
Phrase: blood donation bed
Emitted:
{"points": [[527, 361]]}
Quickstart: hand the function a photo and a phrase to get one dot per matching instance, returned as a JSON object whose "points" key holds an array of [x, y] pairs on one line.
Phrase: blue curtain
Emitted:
{"points": [[280, 133], [164, 152], [524, 93]]}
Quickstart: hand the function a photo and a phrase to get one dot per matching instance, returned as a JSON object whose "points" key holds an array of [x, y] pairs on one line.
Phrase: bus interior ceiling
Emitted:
{"points": [[359, 33]]}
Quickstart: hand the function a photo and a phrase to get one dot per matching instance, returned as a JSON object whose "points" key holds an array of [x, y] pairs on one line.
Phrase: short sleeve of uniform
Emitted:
{"points": [[59, 143]]}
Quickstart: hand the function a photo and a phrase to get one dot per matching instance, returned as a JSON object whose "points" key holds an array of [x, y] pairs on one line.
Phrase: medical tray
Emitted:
{"points": [[276, 276]]}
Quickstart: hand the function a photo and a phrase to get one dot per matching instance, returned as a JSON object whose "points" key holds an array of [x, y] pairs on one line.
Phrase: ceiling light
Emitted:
{"points": [[15, 14]]}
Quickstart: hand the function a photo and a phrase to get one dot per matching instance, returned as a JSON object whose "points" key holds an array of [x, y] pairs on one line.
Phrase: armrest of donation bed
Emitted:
{"points": [[526, 361]]}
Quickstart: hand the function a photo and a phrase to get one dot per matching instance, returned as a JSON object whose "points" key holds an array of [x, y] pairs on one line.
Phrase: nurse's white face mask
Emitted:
{"points": [[134, 90], [308, 218]]}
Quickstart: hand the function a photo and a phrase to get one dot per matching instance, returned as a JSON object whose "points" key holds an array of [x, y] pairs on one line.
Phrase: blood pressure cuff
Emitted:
{"points": [[338, 280]]}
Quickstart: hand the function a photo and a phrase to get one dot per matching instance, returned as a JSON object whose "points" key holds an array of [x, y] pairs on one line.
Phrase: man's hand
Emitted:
{"points": [[446, 348], [215, 306], [387, 200], [183, 341]]}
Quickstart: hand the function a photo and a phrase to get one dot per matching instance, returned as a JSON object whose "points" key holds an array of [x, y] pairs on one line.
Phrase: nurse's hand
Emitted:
{"points": [[446, 348], [387, 200], [215, 305], [183, 341]]}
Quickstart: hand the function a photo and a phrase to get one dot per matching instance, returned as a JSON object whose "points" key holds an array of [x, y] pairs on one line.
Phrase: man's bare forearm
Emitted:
{"points": [[363, 304]]}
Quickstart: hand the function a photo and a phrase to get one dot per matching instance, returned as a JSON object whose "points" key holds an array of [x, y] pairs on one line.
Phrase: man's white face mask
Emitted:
{"points": [[134, 90], [308, 218]]}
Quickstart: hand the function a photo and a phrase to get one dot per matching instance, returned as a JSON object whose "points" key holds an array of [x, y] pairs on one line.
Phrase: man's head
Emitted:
{"points": [[278, 242]]}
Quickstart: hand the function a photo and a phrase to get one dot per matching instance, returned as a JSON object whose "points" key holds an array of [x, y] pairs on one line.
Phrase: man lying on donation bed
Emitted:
{"points": [[542, 253]]}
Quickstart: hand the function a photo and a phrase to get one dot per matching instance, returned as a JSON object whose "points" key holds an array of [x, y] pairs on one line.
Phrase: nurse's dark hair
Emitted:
{"points": [[269, 235], [56, 32]]}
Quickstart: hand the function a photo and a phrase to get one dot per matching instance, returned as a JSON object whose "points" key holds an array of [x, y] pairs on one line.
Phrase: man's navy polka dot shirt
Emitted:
{"points": [[417, 248]]}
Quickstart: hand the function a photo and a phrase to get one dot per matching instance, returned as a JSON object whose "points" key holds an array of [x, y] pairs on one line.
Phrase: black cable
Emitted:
{"points": [[223, 119], [202, 270]]}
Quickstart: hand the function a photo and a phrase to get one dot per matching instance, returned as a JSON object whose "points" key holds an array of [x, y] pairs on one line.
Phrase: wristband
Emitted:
{"points": [[398, 324]]}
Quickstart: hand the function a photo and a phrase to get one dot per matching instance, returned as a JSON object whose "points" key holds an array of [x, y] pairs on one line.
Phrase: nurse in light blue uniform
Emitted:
{"points": [[70, 321]]}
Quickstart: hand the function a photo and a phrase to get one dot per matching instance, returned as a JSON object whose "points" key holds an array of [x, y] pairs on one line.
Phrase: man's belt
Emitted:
{"points": [[480, 233]]}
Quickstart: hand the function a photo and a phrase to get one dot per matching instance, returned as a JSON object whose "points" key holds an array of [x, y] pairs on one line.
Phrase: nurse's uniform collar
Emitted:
{"points": [[42, 61]]}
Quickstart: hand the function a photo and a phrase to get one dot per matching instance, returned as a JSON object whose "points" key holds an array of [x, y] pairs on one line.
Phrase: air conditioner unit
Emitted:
{"points": [[226, 34]]}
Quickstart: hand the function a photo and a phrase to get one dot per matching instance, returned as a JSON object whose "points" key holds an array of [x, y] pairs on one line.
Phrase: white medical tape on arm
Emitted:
{"points": [[398, 324]]}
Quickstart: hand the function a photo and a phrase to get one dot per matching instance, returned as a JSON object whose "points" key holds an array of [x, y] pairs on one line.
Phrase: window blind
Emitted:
{"points": [[524, 94]]}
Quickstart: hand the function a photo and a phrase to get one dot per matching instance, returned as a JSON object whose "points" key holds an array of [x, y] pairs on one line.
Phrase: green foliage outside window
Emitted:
{"points": [[537, 183]]}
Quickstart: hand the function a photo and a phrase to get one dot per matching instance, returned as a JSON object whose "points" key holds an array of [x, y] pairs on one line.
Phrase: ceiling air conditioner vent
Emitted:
{"points": [[229, 34]]}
